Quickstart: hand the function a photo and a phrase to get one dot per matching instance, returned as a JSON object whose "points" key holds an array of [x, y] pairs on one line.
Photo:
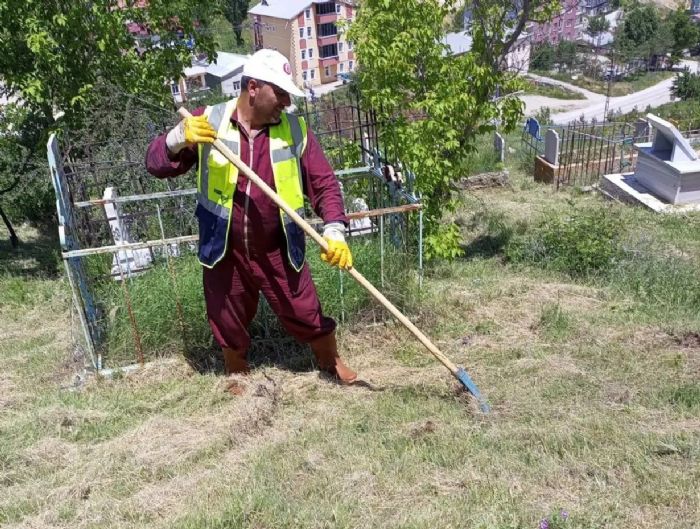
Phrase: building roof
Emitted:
{"points": [[286, 9], [614, 18], [224, 64], [603, 39], [459, 42]]}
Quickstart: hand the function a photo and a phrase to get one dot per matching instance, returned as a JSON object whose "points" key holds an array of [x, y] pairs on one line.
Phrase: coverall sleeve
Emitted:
{"points": [[320, 183], [162, 165]]}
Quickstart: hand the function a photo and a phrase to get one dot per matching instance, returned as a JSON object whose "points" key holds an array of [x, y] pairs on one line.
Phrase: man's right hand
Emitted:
{"points": [[189, 132]]}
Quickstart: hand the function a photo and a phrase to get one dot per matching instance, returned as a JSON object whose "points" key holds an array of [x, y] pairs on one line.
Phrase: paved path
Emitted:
{"points": [[589, 95], [594, 104]]}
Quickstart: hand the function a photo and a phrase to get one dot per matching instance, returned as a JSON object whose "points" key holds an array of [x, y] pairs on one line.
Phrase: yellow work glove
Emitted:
{"points": [[338, 253], [189, 132]]}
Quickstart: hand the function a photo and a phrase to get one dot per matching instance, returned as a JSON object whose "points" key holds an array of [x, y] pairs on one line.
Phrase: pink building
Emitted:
{"points": [[568, 25], [309, 34]]}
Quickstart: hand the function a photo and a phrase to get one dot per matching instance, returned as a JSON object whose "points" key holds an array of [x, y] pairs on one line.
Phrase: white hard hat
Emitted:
{"points": [[273, 67]]}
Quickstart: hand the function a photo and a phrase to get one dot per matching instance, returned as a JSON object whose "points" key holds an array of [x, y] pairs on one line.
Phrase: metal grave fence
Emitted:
{"points": [[129, 240]]}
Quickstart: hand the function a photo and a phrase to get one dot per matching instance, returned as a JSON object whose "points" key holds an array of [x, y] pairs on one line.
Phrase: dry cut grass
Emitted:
{"points": [[596, 410]]}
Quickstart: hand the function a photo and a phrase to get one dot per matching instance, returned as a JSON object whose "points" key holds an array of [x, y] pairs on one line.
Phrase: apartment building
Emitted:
{"points": [[569, 24], [306, 31]]}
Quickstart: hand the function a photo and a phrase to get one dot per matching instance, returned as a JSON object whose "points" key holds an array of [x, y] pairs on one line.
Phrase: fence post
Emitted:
{"points": [[499, 145], [82, 297]]}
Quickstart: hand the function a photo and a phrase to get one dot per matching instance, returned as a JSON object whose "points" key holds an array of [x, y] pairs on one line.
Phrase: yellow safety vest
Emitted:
{"points": [[217, 177]]}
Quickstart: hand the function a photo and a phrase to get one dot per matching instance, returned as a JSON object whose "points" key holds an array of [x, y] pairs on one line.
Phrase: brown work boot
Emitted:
{"points": [[325, 349], [235, 361]]}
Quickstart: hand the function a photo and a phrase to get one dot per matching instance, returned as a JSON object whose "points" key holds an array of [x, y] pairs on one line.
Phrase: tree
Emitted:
{"points": [[686, 86], [431, 105], [638, 35], [56, 54], [236, 12], [53, 53], [542, 57], [684, 33], [566, 54], [597, 25]]}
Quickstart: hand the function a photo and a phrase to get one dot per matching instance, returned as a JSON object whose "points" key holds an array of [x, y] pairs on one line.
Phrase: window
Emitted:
{"points": [[337, 9], [329, 50], [311, 53], [307, 13], [303, 54], [325, 8], [237, 86], [349, 44], [340, 47], [342, 67], [308, 31], [175, 89], [327, 71], [304, 74], [349, 65], [326, 30], [301, 33], [313, 70]]}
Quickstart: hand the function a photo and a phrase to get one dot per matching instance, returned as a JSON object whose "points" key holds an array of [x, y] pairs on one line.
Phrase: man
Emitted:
{"points": [[246, 243]]}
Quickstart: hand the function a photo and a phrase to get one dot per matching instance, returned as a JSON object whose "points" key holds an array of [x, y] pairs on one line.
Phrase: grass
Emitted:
{"points": [[624, 87], [168, 306], [549, 90], [592, 378]]}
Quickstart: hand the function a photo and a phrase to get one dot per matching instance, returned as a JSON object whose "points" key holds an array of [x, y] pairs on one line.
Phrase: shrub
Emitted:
{"points": [[586, 242], [686, 86]]}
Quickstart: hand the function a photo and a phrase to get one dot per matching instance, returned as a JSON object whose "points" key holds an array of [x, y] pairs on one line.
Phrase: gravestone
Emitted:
{"points": [[125, 262], [551, 147], [668, 166]]}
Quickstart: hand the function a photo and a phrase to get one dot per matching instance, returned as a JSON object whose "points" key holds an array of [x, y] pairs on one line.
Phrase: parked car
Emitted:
{"points": [[344, 77]]}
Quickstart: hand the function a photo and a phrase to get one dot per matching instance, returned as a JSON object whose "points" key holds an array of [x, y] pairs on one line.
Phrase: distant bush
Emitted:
{"points": [[587, 242], [686, 86]]}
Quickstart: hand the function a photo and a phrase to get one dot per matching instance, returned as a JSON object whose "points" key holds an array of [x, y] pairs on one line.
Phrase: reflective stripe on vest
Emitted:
{"points": [[217, 179]]}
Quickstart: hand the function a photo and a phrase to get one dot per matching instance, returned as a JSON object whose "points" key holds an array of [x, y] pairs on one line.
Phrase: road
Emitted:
{"points": [[594, 104]]}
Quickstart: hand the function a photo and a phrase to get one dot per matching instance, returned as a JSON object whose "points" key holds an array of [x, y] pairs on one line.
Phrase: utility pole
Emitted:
{"points": [[611, 74]]}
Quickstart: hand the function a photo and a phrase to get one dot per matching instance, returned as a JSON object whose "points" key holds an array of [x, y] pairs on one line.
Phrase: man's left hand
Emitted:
{"points": [[338, 253]]}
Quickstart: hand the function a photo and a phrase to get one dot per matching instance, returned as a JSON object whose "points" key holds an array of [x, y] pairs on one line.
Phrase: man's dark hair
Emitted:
{"points": [[246, 79]]}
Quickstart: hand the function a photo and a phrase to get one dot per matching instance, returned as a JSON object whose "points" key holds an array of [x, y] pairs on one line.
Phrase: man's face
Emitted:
{"points": [[268, 100]]}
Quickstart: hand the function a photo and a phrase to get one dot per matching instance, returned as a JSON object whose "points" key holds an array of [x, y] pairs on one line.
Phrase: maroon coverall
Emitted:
{"points": [[256, 255]]}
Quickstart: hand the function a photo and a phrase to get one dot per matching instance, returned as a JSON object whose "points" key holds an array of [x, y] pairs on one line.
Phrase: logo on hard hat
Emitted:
{"points": [[287, 69]]}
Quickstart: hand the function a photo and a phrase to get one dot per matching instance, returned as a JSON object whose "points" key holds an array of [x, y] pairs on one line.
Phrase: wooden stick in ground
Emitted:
{"points": [[458, 372]]}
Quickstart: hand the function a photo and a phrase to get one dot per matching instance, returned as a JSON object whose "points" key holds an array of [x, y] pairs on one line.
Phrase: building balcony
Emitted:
{"points": [[328, 17], [327, 61], [324, 41]]}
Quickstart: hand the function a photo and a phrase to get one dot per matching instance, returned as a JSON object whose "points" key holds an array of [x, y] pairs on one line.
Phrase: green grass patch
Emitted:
{"points": [[618, 88], [584, 243], [539, 88], [152, 299], [684, 397], [554, 322]]}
